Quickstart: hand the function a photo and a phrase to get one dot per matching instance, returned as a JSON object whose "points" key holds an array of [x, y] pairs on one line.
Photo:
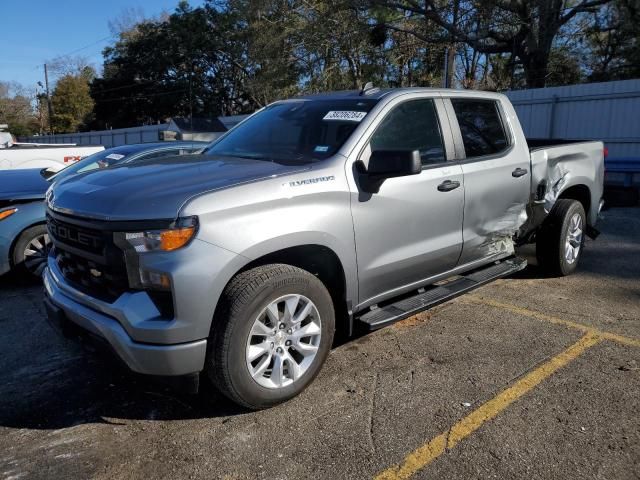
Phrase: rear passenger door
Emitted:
{"points": [[411, 229], [496, 177]]}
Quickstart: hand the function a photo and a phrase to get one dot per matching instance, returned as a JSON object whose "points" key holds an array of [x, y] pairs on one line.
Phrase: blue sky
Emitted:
{"points": [[34, 31]]}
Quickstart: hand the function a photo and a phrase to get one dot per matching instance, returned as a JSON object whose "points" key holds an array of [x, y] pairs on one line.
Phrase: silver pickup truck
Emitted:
{"points": [[342, 211]]}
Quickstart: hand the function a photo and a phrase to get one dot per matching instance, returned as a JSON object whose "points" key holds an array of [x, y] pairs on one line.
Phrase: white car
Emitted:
{"points": [[53, 156]]}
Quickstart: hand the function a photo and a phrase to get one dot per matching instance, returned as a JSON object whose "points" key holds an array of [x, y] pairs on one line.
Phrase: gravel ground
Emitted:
{"points": [[67, 414]]}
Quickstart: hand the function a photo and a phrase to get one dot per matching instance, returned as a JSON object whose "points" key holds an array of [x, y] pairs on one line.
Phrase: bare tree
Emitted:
{"points": [[525, 28], [68, 65], [126, 21], [16, 108]]}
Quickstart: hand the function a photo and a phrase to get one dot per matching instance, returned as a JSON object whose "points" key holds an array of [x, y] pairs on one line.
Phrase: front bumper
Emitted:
{"points": [[68, 304]]}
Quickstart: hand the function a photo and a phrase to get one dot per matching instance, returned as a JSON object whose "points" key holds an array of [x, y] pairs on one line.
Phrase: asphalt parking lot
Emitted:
{"points": [[528, 377]]}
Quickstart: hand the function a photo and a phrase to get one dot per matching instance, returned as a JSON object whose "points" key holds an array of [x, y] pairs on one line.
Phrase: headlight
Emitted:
{"points": [[7, 213], [164, 240]]}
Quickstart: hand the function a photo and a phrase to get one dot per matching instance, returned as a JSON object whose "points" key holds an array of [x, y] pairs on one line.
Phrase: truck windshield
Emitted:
{"points": [[294, 132]]}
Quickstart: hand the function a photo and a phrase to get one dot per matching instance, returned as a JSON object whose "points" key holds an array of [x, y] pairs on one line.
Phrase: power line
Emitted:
{"points": [[140, 97], [85, 47]]}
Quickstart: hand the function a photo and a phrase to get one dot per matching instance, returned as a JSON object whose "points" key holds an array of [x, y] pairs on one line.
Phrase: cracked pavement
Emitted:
{"points": [[66, 414]]}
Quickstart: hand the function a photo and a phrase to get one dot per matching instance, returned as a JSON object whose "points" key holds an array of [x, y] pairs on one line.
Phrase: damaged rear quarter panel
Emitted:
{"points": [[558, 168]]}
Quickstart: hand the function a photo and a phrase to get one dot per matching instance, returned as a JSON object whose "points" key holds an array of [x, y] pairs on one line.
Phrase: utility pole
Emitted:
{"points": [[191, 96], [191, 101], [449, 66], [450, 51], [49, 107], [445, 72]]}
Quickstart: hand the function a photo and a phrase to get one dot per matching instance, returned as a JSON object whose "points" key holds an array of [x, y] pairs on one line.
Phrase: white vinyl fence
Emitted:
{"points": [[608, 111], [119, 136], [108, 138]]}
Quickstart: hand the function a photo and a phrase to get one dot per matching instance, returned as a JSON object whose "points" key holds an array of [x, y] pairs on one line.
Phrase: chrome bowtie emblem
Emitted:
{"points": [[49, 198], [95, 273]]}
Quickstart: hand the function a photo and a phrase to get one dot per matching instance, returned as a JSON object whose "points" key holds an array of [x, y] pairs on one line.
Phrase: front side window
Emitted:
{"points": [[482, 130], [412, 125], [294, 132]]}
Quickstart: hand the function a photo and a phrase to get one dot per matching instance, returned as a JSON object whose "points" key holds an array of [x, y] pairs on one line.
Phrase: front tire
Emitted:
{"points": [[561, 238], [270, 336], [29, 255]]}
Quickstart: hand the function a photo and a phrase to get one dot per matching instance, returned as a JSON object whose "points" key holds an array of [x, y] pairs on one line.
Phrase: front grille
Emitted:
{"points": [[87, 257], [84, 239], [99, 281]]}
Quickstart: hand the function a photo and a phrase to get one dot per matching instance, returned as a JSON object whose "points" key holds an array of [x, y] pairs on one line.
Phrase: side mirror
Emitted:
{"points": [[394, 163], [46, 173], [385, 164]]}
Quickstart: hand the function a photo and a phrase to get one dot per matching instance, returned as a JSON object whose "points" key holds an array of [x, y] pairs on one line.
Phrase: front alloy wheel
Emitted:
{"points": [[284, 340], [29, 256], [35, 255], [270, 335]]}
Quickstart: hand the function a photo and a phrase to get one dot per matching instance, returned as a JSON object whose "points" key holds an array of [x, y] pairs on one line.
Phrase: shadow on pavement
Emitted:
{"points": [[49, 382], [81, 389]]}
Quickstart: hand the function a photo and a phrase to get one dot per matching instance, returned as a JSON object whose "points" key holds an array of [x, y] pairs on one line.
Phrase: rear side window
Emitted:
{"points": [[483, 132], [412, 125]]}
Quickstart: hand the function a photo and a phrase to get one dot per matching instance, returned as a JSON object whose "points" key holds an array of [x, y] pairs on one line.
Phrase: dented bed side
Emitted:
{"points": [[558, 170]]}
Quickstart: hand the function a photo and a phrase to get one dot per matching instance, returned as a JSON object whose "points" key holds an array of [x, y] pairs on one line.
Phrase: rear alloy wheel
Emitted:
{"points": [[30, 251], [573, 239], [561, 238], [270, 335]]}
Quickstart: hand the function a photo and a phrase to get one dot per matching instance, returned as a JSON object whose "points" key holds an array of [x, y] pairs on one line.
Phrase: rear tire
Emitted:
{"points": [[270, 335], [560, 240], [29, 255]]}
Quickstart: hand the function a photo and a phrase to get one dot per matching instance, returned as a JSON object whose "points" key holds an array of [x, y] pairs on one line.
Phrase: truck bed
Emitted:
{"points": [[541, 143], [556, 164]]}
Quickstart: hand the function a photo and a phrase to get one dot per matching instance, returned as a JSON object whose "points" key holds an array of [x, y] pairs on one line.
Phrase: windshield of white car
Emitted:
{"points": [[295, 131]]}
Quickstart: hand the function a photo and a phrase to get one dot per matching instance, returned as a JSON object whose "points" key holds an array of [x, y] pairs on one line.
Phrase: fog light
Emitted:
{"points": [[155, 280]]}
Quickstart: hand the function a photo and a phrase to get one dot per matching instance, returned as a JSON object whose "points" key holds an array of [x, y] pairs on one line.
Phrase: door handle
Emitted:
{"points": [[448, 185], [519, 172]]}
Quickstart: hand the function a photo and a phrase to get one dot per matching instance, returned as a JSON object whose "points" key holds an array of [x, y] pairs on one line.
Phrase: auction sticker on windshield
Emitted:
{"points": [[345, 115]]}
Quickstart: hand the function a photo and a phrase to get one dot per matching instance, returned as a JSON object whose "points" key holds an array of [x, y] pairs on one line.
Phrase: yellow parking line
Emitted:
{"points": [[634, 342], [427, 453]]}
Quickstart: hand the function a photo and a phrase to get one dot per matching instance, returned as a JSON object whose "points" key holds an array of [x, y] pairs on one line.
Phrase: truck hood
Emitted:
{"points": [[157, 188], [25, 184]]}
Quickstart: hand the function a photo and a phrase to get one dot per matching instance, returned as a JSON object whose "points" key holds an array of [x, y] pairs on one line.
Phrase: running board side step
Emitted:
{"points": [[437, 294]]}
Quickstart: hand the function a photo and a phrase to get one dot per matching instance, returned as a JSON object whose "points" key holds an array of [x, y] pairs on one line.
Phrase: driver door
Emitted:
{"points": [[411, 229]]}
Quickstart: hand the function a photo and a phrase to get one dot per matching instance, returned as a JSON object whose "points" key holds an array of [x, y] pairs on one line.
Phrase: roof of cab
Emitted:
{"points": [[378, 93]]}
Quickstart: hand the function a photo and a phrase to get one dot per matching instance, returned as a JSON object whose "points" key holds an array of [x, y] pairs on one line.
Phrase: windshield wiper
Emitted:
{"points": [[248, 156]]}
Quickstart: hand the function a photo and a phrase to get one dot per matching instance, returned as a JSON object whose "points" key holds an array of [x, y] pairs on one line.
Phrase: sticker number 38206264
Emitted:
{"points": [[350, 116]]}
